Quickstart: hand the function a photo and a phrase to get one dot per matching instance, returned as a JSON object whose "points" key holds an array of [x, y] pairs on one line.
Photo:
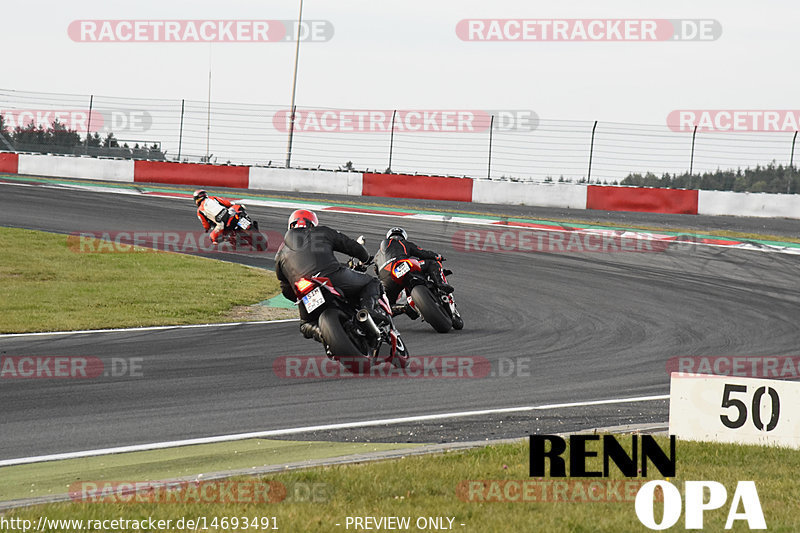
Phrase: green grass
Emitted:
{"points": [[48, 478], [427, 486], [45, 285]]}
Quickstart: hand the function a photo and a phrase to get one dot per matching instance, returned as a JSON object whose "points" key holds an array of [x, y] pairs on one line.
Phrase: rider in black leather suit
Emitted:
{"points": [[307, 250]]}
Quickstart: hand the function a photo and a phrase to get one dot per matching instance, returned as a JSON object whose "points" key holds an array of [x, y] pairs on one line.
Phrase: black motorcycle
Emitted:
{"points": [[424, 295], [351, 335]]}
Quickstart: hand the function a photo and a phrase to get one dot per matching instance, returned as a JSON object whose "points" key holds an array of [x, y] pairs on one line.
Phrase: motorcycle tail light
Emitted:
{"points": [[303, 286]]}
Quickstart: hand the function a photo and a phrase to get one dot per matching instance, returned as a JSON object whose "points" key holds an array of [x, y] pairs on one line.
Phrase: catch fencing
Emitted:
{"points": [[513, 145]]}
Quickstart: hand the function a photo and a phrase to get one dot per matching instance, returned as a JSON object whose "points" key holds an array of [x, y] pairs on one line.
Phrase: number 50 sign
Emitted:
{"points": [[734, 409]]}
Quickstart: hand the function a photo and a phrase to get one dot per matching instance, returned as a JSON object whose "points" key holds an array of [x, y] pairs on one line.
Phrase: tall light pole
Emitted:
{"points": [[294, 87], [208, 119]]}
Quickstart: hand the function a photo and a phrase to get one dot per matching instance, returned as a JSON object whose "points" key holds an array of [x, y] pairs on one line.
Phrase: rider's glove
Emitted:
{"points": [[439, 257]]}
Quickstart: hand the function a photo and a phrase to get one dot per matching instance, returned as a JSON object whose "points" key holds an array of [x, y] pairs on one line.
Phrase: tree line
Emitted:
{"points": [[773, 178], [58, 135]]}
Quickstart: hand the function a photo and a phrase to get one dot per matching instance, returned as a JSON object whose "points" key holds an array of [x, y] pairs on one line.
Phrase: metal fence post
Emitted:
{"points": [[89, 124], [491, 128], [391, 142], [180, 135], [691, 160], [291, 137], [292, 107], [591, 153], [208, 122]]}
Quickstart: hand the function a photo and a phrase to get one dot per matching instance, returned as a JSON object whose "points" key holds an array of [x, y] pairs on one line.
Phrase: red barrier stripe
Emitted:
{"points": [[419, 187], [191, 174], [9, 163], [642, 199]]}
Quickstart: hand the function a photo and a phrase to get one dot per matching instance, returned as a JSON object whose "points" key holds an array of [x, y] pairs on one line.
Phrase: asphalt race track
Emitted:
{"points": [[553, 327]]}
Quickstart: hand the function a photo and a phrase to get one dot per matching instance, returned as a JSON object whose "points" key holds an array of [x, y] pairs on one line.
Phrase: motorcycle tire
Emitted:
{"points": [[401, 357], [342, 348], [430, 309]]}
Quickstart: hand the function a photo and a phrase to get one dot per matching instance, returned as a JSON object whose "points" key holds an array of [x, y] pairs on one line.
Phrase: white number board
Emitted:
{"points": [[734, 409]]}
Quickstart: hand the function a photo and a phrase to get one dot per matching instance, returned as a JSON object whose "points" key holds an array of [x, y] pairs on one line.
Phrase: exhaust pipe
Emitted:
{"points": [[364, 318]]}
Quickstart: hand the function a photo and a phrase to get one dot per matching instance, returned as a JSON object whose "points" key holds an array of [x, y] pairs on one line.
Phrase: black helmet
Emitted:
{"points": [[396, 232], [199, 195]]}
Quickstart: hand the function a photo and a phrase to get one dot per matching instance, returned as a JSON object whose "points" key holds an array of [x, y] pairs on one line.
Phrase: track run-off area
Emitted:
{"points": [[556, 340]]}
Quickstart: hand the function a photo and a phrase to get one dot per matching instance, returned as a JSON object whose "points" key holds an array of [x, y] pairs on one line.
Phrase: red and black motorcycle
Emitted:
{"points": [[424, 295], [351, 335], [241, 229]]}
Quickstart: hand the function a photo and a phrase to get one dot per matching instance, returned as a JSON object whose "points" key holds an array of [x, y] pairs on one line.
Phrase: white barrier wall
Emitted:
{"points": [[282, 179], [538, 194], [748, 204], [76, 167], [564, 195]]}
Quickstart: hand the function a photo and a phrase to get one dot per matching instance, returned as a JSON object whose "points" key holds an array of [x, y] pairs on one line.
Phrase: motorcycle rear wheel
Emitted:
{"points": [[430, 309], [342, 347]]}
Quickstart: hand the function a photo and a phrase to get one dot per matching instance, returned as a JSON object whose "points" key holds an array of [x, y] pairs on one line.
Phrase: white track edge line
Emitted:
{"points": [[147, 328], [309, 429]]}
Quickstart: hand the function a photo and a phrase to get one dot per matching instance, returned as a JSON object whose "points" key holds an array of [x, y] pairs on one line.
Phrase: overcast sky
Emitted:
{"points": [[414, 55], [408, 55]]}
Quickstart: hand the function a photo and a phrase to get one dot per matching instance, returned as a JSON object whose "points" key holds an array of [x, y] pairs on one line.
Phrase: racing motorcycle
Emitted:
{"points": [[351, 335], [424, 295], [240, 228]]}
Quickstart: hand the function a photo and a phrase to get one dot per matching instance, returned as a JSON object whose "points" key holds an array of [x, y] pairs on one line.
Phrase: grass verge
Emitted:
{"points": [[47, 286], [433, 486], [56, 477]]}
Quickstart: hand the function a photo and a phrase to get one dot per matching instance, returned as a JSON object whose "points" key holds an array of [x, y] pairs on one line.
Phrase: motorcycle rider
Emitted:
{"points": [[397, 246], [307, 250], [212, 211]]}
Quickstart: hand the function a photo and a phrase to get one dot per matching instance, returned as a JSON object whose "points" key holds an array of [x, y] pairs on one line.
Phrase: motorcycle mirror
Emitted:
{"points": [[361, 240]]}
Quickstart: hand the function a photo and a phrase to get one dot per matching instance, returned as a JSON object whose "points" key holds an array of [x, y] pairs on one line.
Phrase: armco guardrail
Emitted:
{"points": [[609, 198]]}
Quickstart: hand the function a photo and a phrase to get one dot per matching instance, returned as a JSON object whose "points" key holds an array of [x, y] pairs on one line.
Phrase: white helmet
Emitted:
{"points": [[396, 232]]}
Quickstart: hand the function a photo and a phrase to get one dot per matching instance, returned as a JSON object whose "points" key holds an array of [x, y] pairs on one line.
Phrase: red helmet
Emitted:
{"points": [[302, 218]]}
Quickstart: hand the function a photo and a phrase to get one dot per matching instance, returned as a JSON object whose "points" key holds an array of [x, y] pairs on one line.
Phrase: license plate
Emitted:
{"points": [[313, 299], [402, 269], [244, 223]]}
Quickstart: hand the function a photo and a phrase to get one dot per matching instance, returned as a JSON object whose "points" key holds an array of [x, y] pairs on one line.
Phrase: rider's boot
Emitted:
{"points": [[405, 309], [378, 314], [445, 287], [440, 281], [311, 331]]}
